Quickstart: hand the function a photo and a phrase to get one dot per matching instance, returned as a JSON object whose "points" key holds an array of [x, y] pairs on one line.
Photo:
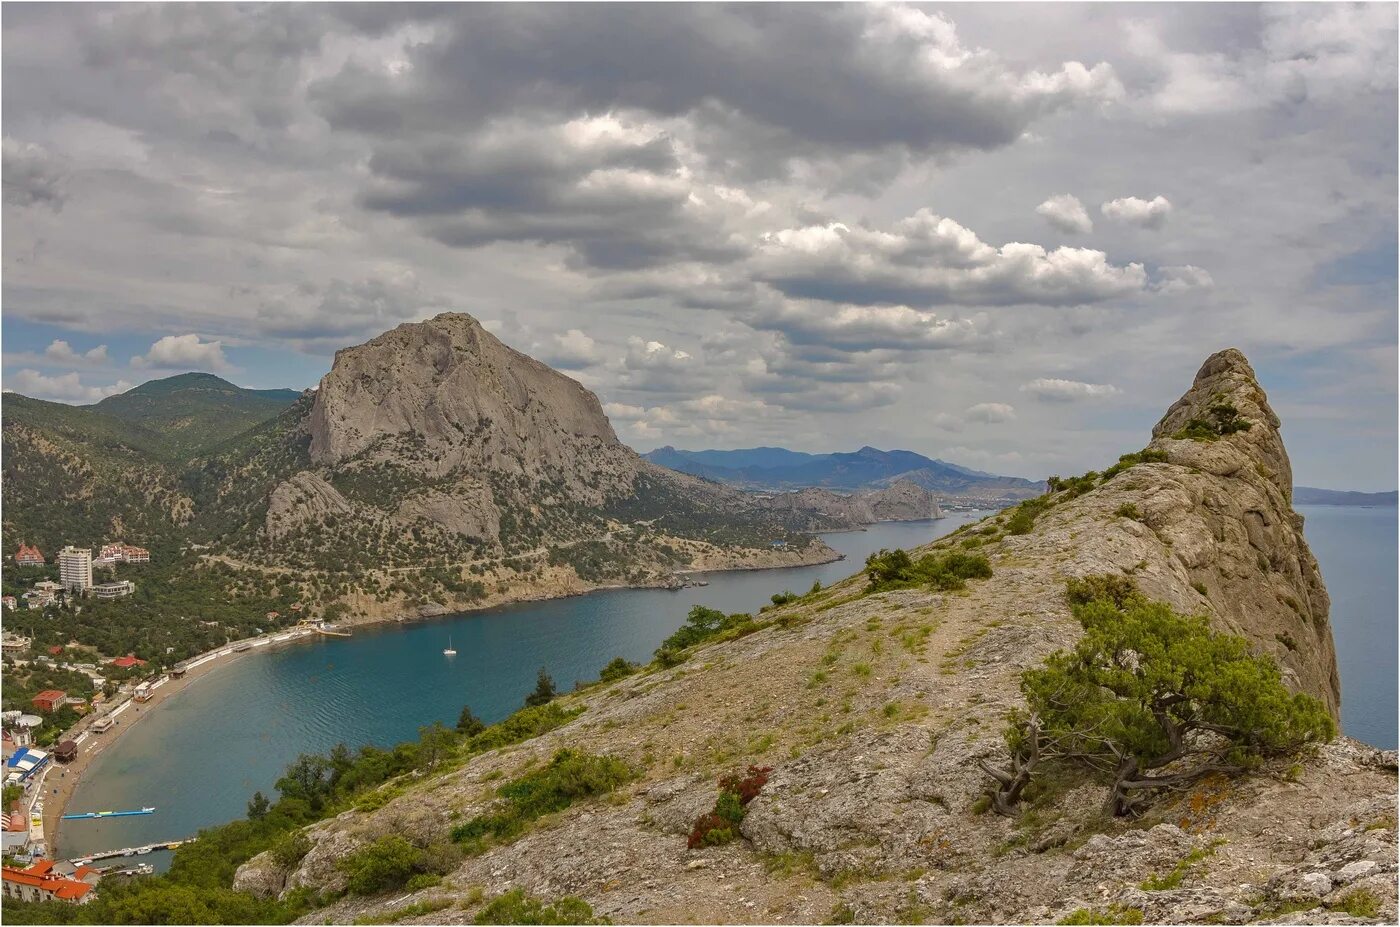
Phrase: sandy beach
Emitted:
{"points": [[63, 779]]}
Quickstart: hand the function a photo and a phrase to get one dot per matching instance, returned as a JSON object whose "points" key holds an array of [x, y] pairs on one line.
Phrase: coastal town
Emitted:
{"points": [[64, 702]]}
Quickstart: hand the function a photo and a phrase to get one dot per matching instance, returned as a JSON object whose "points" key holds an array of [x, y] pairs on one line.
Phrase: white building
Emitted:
{"points": [[114, 590], [75, 568]]}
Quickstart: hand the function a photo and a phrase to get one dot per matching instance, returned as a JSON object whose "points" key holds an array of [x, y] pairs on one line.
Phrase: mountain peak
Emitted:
{"points": [[181, 381], [459, 395], [1228, 415]]}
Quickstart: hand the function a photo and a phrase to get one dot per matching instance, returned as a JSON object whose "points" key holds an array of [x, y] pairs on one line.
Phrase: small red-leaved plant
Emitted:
{"points": [[735, 792]]}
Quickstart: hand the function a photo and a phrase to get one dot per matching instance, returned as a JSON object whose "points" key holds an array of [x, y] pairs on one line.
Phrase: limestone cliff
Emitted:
{"points": [[873, 710], [446, 394]]}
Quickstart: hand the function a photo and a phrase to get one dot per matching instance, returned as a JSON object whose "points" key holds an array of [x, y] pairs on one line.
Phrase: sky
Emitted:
{"points": [[1002, 235]]}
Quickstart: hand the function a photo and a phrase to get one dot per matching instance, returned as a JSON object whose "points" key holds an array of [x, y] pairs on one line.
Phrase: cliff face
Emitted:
{"points": [[1233, 529], [874, 709], [446, 394]]}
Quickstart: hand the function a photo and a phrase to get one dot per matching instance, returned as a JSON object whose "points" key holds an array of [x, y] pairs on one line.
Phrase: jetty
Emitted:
{"points": [[127, 851], [90, 815]]}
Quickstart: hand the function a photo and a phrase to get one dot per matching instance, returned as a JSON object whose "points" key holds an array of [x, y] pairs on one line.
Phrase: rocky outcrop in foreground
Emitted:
{"points": [[873, 710]]}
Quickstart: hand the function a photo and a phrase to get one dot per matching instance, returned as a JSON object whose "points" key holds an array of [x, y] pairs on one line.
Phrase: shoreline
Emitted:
{"points": [[129, 713]]}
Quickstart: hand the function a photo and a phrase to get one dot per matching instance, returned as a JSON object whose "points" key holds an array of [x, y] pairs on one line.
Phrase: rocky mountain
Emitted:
{"points": [[862, 717], [867, 468]]}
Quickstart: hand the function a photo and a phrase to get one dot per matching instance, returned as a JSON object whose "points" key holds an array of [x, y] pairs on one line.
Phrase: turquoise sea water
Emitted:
{"points": [[202, 755]]}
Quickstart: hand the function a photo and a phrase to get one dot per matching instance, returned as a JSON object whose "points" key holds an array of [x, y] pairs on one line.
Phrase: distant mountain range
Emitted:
{"points": [[1309, 495], [867, 468]]}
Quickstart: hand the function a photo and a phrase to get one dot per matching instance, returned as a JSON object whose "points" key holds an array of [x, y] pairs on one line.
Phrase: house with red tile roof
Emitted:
{"points": [[28, 556], [49, 699], [40, 883], [128, 661]]}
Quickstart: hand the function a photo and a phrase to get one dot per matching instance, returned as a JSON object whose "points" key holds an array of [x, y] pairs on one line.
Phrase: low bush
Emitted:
{"points": [[516, 907], [722, 824], [569, 777], [384, 865], [1223, 419], [1127, 461], [619, 668], [946, 570], [1114, 914]]}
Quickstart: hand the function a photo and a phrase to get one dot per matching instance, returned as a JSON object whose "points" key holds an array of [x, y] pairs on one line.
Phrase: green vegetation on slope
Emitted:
{"points": [[194, 412]]}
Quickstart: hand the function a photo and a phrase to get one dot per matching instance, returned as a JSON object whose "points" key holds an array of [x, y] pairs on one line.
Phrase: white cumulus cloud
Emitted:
{"points": [[62, 352], [1148, 214], [1176, 277], [990, 413], [66, 387], [1057, 390], [183, 351], [1066, 213]]}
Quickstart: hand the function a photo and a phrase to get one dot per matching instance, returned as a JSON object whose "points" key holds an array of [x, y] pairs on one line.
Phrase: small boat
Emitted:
{"points": [[448, 651]]}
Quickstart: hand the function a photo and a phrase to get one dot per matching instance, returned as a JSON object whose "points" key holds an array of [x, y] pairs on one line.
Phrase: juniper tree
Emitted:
{"points": [[1154, 698]]}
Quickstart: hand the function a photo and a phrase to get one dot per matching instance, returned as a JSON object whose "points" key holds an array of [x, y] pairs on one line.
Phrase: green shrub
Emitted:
{"points": [[1147, 689], [1128, 510], [1127, 461], [384, 865], [1113, 914], [569, 777], [523, 725], [619, 668], [516, 907], [1359, 902], [946, 570], [1224, 419], [545, 691], [784, 597], [700, 625]]}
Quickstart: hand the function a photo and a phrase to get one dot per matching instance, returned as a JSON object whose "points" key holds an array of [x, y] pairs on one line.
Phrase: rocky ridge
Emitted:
{"points": [[872, 711]]}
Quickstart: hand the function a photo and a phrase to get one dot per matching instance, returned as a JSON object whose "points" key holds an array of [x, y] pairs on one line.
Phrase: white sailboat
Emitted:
{"points": [[448, 651]]}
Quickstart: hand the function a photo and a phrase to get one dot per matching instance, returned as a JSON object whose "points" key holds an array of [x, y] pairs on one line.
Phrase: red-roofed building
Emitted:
{"points": [[128, 661], [125, 553], [56, 649], [38, 883], [16, 828], [49, 699], [28, 556]]}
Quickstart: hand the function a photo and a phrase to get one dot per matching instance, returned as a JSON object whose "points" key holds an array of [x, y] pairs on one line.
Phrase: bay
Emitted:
{"points": [[200, 756]]}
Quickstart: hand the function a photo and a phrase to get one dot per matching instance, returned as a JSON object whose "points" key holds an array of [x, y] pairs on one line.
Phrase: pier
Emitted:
{"points": [[92, 815], [127, 851]]}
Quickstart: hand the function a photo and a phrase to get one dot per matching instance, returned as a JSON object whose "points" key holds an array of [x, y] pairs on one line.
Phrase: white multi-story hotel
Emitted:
{"points": [[75, 568]]}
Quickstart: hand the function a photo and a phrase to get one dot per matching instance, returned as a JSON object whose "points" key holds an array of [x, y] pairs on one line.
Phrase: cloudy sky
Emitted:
{"points": [[1002, 235]]}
